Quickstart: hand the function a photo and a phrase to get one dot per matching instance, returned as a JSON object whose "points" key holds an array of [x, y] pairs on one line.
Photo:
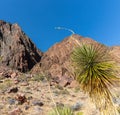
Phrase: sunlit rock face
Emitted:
{"points": [[56, 60]]}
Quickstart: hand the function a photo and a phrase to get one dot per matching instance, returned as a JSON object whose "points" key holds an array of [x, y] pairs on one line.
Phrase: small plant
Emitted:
{"points": [[77, 89], [4, 86], [118, 108], [22, 78], [38, 77], [61, 111], [59, 87], [8, 83], [2, 77], [65, 91], [0, 58], [79, 113]]}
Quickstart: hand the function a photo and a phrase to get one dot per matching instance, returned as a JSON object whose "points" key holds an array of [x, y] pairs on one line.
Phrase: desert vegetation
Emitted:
{"points": [[96, 73]]}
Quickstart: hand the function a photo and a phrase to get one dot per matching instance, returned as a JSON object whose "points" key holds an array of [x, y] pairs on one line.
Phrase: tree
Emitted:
{"points": [[96, 73]]}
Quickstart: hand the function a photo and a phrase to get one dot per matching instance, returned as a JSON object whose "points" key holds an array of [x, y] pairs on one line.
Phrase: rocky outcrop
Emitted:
{"points": [[16, 49], [115, 53], [56, 60]]}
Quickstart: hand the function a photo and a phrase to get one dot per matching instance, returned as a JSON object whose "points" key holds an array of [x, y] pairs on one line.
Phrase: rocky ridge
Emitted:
{"points": [[56, 60], [16, 50]]}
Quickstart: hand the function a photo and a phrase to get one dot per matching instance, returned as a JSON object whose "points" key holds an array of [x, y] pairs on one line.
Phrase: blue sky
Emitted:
{"points": [[98, 19]]}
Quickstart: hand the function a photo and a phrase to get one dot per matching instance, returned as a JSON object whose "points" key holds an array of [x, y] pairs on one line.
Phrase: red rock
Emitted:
{"points": [[65, 81], [54, 81], [16, 82], [115, 53], [13, 75], [21, 98], [24, 84], [1, 73], [73, 84], [16, 111]]}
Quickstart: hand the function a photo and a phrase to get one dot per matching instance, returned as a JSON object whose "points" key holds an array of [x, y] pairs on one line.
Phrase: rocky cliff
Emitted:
{"points": [[16, 49]]}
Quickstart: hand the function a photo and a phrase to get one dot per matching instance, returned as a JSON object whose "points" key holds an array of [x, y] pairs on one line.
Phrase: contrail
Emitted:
{"points": [[63, 28]]}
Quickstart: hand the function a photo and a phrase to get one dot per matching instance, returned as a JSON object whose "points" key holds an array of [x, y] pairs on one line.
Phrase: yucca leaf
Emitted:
{"points": [[96, 72]]}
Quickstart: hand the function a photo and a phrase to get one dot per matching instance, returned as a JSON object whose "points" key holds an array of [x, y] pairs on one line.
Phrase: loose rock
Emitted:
{"points": [[16, 111], [13, 90], [37, 102], [77, 106], [13, 75], [11, 101], [21, 98]]}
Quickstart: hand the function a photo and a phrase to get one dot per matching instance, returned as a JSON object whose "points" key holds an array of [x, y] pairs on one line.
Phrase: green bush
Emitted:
{"points": [[118, 109], [61, 111], [96, 73], [38, 77], [79, 113]]}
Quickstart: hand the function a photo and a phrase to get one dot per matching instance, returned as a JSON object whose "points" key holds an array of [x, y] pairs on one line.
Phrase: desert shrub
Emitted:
{"points": [[6, 84], [61, 111], [96, 73], [118, 108], [38, 77], [22, 78], [79, 113], [0, 58], [77, 89]]}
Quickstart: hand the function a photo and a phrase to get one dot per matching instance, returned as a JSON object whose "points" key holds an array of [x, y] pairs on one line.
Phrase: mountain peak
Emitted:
{"points": [[16, 49], [57, 59]]}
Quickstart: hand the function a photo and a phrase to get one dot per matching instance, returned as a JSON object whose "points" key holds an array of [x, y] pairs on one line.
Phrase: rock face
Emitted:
{"points": [[56, 60], [16, 49], [115, 53]]}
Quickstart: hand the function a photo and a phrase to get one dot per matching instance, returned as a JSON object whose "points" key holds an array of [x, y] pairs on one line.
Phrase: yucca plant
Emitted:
{"points": [[1, 58], [79, 113], [62, 111], [96, 73]]}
